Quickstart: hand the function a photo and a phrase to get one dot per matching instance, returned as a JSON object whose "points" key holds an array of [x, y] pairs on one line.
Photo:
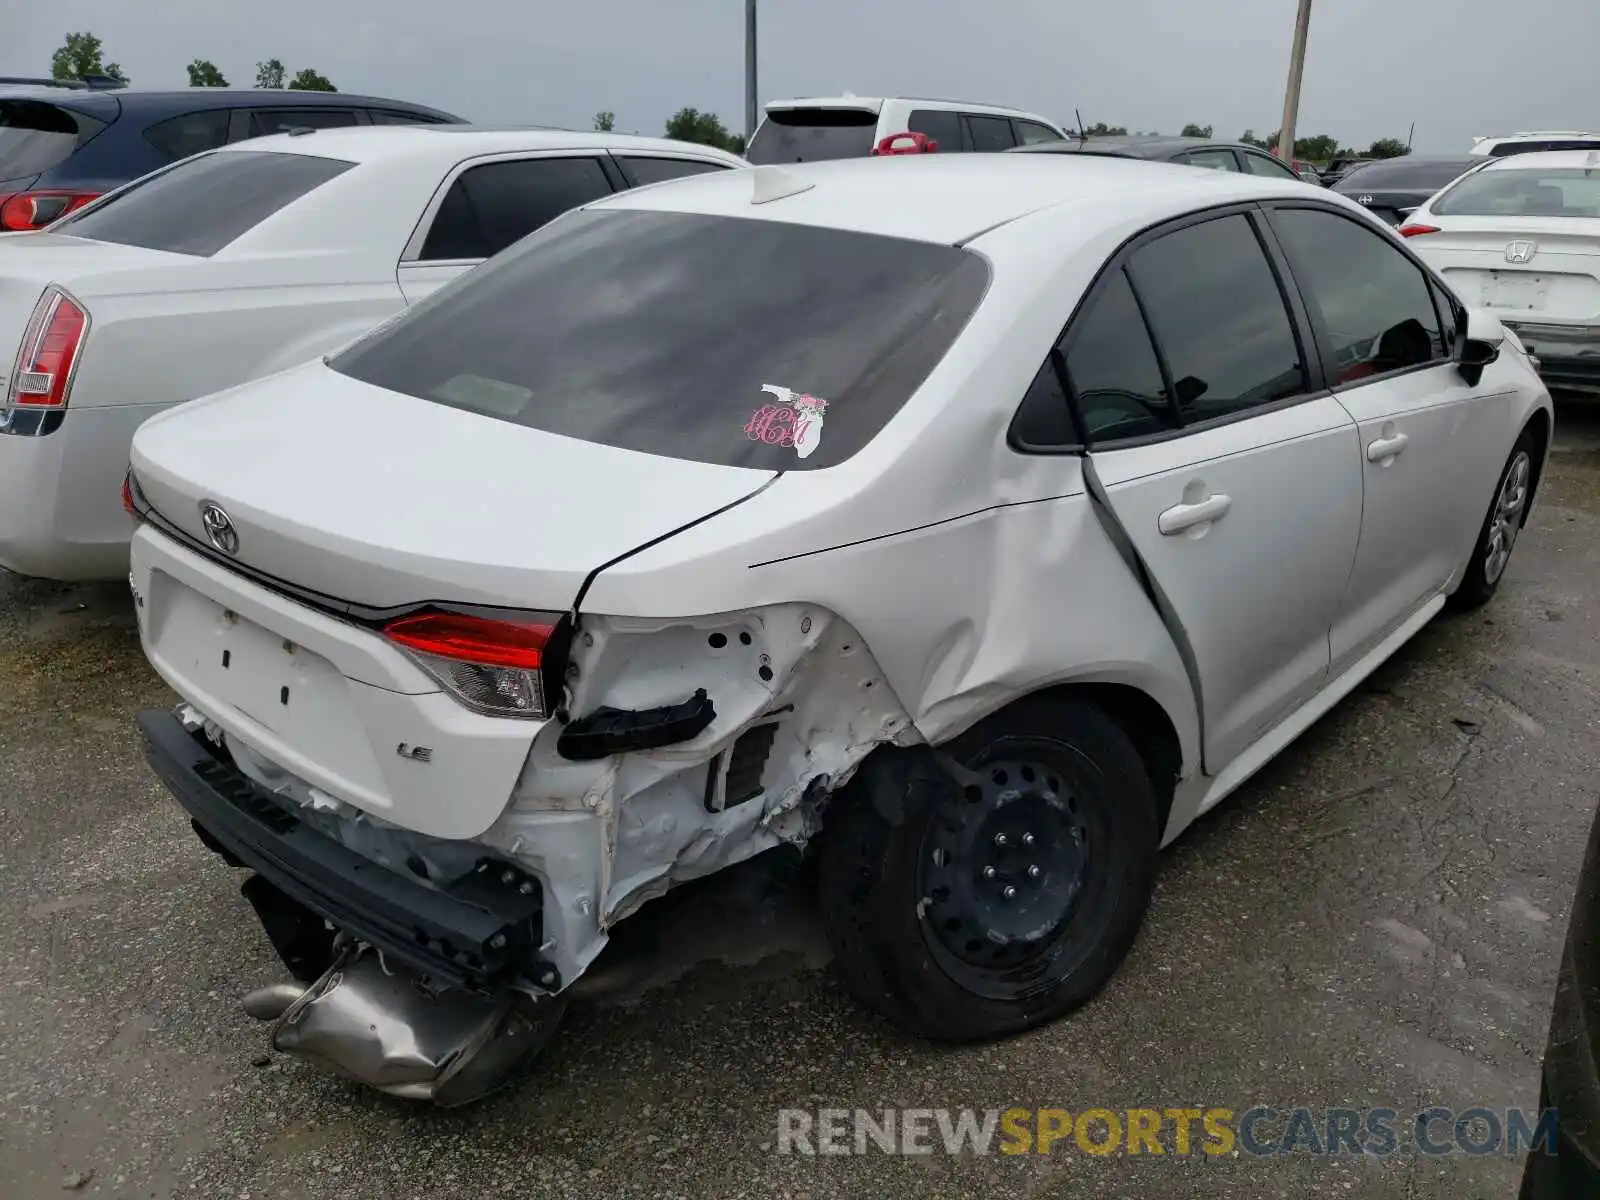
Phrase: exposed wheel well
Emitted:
{"points": [[1149, 728], [1539, 426]]}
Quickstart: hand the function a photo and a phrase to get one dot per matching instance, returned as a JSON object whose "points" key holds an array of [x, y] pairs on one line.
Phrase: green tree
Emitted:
{"points": [[1249, 138], [269, 74], [1319, 148], [605, 122], [704, 129], [1101, 129], [1199, 131], [79, 56], [307, 80], [203, 73], [1388, 148]]}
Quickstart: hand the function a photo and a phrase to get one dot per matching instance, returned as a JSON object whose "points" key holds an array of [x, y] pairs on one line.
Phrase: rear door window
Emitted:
{"points": [[490, 206], [641, 171], [1116, 377], [790, 135], [939, 125], [179, 137], [1215, 160], [989, 133], [1031, 133], [202, 204], [1261, 164], [265, 121], [34, 137], [759, 344]]}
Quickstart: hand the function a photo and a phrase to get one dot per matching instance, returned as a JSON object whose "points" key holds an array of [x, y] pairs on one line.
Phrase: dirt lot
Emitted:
{"points": [[1375, 920]]}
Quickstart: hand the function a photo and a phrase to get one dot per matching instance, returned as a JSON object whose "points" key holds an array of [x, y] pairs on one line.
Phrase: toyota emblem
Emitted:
{"points": [[219, 527]]}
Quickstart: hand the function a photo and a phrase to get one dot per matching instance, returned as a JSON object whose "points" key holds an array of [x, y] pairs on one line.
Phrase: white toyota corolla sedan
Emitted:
{"points": [[241, 262], [1520, 237], [974, 523]]}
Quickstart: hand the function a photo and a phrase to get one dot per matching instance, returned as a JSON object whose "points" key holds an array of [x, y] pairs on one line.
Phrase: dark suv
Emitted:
{"points": [[62, 147]]}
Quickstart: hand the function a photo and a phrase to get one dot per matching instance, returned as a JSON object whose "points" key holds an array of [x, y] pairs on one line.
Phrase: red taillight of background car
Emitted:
{"points": [[905, 143], [49, 354], [34, 210], [1411, 230], [492, 666], [128, 505]]}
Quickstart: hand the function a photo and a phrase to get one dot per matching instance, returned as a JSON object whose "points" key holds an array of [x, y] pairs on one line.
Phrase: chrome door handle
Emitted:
{"points": [[1186, 516], [1386, 448]]}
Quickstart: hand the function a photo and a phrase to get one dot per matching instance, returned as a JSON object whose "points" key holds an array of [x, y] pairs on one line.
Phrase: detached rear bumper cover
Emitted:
{"points": [[483, 935], [1569, 355]]}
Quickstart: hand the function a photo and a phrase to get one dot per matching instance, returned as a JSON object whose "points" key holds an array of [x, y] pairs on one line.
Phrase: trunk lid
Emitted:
{"points": [[375, 499], [1558, 280]]}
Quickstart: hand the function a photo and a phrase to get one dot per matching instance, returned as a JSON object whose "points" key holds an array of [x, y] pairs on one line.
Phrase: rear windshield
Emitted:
{"points": [[791, 135], [1399, 175], [746, 343], [35, 137], [1552, 192], [203, 203], [1506, 149]]}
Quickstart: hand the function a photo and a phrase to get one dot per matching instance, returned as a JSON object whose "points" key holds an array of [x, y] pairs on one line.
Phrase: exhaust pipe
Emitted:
{"points": [[378, 1025]]}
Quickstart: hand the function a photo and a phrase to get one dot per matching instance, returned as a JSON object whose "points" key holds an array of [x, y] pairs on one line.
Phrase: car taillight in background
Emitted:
{"points": [[41, 380], [1412, 230], [27, 211], [905, 143], [494, 667]]}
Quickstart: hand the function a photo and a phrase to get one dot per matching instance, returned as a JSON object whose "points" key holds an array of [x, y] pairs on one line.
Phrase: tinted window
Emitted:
{"points": [[813, 135], [1042, 420], [384, 116], [1261, 164], [202, 204], [1031, 132], [1216, 160], [1510, 192], [941, 125], [1402, 174], [990, 133], [1219, 318], [265, 121], [35, 137], [1116, 378], [659, 170], [663, 333], [179, 137], [489, 207], [1374, 301]]}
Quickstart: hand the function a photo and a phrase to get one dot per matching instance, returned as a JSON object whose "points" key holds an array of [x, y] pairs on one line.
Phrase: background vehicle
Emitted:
{"points": [[1192, 152], [1338, 168], [61, 146], [1521, 238], [1533, 143], [242, 261], [1391, 188], [100, 82], [1219, 443], [812, 130]]}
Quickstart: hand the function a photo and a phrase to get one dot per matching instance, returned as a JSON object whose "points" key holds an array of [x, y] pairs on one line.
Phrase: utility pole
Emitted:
{"points": [[750, 69], [1291, 94]]}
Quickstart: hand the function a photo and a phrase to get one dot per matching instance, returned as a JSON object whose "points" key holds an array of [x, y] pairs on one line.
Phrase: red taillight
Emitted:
{"points": [[1409, 230], [127, 495], [492, 666], [49, 352], [27, 211]]}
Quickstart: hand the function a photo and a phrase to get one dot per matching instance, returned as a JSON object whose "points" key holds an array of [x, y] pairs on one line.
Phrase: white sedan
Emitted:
{"points": [[1520, 237], [974, 522], [239, 263]]}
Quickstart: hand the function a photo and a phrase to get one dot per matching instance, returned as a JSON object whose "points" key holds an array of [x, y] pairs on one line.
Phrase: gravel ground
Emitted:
{"points": [[1376, 919]]}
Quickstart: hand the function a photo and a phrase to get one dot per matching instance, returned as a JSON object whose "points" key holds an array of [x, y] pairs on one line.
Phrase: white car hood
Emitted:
{"points": [[378, 499]]}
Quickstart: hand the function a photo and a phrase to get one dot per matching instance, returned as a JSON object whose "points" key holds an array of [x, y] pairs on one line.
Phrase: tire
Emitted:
{"points": [[1508, 508], [923, 936]]}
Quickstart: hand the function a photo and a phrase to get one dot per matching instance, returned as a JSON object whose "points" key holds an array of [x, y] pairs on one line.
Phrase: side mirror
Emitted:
{"points": [[1480, 336], [905, 143]]}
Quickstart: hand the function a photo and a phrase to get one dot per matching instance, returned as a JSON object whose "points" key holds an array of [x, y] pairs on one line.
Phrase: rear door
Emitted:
{"points": [[988, 133], [486, 204], [1431, 444], [940, 125], [1230, 470]]}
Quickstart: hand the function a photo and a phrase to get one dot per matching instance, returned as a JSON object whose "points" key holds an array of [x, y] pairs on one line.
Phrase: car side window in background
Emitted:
{"points": [[1261, 164], [1216, 160], [35, 136], [1219, 317], [1374, 301], [1115, 376], [659, 170], [990, 133], [265, 121], [489, 207], [179, 137], [202, 204], [940, 125], [386, 116], [1031, 133]]}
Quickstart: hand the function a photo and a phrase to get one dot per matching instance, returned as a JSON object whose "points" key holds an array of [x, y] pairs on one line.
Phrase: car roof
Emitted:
{"points": [[1545, 159], [151, 102], [876, 103], [374, 143], [1132, 146], [953, 198]]}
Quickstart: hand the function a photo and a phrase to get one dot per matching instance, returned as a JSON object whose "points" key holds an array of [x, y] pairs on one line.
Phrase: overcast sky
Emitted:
{"points": [[1455, 67]]}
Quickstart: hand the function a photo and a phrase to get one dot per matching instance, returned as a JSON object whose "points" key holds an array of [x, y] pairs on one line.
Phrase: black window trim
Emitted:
{"points": [[239, 120], [1294, 307], [626, 180], [1324, 342], [411, 255]]}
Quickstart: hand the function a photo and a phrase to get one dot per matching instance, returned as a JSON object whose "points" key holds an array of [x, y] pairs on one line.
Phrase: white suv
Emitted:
{"points": [[1533, 142], [811, 130]]}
